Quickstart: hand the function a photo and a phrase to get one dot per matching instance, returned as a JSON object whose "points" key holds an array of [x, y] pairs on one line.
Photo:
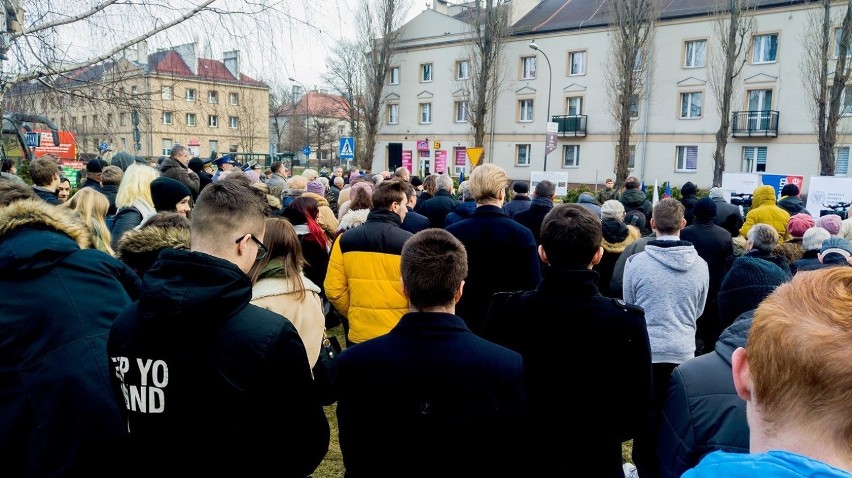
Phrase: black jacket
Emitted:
{"points": [[728, 216], [635, 199], [436, 208], [125, 219], [809, 258], [225, 376], [532, 217], [47, 196], [792, 204], [414, 222], [110, 191]]}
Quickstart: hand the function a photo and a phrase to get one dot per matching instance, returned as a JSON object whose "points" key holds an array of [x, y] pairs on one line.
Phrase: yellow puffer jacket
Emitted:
{"points": [[763, 210]]}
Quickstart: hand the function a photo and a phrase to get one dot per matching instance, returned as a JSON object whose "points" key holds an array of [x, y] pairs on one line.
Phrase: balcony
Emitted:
{"points": [[571, 125], [754, 123]]}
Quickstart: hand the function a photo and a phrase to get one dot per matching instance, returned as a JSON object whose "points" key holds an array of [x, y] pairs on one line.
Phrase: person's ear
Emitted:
{"points": [[598, 256], [501, 195], [458, 293], [741, 373], [653, 225], [542, 254], [683, 223]]}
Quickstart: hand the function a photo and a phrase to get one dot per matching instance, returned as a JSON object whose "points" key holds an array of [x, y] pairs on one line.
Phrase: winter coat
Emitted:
{"points": [[516, 205], [534, 216], [462, 211], [616, 284], [352, 219], [702, 411], [47, 196], [635, 199], [172, 168], [616, 237], [502, 256], [414, 222], [315, 254], [110, 191], [326, 219], [139, 249], [363, 278], [809, 258], [58, 416], [515, 320], [831, 260], [779, 261], [437, 207], [728, 216], [588, 201], [229, 377], [764, 211], [793, 205], [605, 194]]}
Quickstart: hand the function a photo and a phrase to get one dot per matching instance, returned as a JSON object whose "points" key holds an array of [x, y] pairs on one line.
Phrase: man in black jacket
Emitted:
{"points": [[192, 362], [176, 167], [791, 201], [45, 175]]}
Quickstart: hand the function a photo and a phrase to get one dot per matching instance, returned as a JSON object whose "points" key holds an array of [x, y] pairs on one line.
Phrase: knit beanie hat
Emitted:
{"points": [[790, 190], [122, 159], [196, 164], [717, 192], [704, 208], [837, 245], [521, 187], [612, 209], [416, 181], [688, 188], [316, 187], [799, 223], [813, 238], [831, 223], [361, 185], [748, 282], [167, 192], [635, 218]]}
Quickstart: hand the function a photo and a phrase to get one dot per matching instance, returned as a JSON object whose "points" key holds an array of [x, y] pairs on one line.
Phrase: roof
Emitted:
{"points": [[171, 63], [318, 105]]}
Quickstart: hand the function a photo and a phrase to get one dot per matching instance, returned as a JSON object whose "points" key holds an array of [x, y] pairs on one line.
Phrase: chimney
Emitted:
{"points": [[189, 54], [440, 6], [142, 52], [231, 59]]}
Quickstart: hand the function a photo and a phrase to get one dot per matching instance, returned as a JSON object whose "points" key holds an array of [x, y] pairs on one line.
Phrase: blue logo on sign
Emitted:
{"points": [[306, 151]]}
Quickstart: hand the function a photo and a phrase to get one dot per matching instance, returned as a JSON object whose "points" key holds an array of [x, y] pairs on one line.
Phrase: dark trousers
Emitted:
{"points": [[645, 444]]}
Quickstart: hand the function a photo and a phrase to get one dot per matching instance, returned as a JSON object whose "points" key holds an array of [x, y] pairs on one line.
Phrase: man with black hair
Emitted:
{"points": [[791, 201], [570, 246], [542, 203]]}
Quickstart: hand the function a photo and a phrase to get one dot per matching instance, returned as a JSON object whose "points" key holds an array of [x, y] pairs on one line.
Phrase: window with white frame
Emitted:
{"points": [[461, 111], [123, 143], [754, 159], [190, 94], [463, 69], [233, 122], [695, 54], [393, 75], [190, 119], [577, 63], [571, 155], [213, 144], [426, 72], [522, 155], [134, 90], [841, 161], [167, 146], [213, 97], [765, 48], [167, 117], [528, 68], [631, 161], [525, 110], [837, 33], [213, 121], [690, 104], [575, 105], [425, 113], [393, 113], [166, 93], [233, 99], [687, 158]]}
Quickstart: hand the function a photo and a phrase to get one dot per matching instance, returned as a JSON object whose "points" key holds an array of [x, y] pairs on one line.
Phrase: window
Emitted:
{"points": [[166, 93], [109, 119], [571, 155], [426, 72], [575, 105], [393, 113], [687, 158], [167, 146], [213, 97], [425, 113], [190, 119], [73, 121], [84, 121], [631, 162], [340, 130], [213, 121], [637, 62], [695, 53], [522, 156], [393, 75], [233, 122], [233, 98], [841, 161], [190, 94], [754, 159], [167, 117], [526, 110], [690, 105], [122, 119], [846, 101], [577, 63], [462, 69], [95, 121], [528, 68], [634, 106], [461, 111], [765, 48], [213, 145], [123, 143], [134, 90]]}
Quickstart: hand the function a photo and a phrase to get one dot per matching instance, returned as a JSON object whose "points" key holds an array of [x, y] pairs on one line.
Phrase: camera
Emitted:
{"points": [[839, 208], [741, 199]]}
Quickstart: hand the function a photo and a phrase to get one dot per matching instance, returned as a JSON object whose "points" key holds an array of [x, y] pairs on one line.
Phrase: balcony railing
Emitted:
{"points": [[754, 123], [571, 125]]}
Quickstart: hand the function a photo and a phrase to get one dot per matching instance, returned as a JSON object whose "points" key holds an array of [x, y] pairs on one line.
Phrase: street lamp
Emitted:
{"points": [[535, 47], [307, 112]]}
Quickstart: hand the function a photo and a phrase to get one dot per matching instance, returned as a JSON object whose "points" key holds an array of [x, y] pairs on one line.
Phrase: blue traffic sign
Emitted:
{"points": [[306, 151], [33, 140], [347, 148]]}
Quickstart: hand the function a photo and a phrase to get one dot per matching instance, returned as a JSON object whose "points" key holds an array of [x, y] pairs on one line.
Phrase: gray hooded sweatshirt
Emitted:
{"points": [[670, 281]]}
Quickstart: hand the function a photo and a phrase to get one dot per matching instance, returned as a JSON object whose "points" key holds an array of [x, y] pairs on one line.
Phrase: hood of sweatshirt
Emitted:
{"points": [[677, 255]]}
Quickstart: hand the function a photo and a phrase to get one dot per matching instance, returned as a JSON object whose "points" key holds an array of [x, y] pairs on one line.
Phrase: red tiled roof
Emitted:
{"points": [[169, 62], [319, 105]]}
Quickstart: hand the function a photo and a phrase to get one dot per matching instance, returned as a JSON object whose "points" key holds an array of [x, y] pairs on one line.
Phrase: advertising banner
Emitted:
{"points": [[441, 161], [825, 191], [778, 181], [406, 161]]}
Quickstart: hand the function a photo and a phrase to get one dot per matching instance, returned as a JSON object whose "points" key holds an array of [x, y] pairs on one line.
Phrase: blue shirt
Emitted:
{"points": [[772, 464]]}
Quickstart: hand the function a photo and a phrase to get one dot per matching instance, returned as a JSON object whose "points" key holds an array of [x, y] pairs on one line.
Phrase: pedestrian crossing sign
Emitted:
{"points": [[347, 148]]}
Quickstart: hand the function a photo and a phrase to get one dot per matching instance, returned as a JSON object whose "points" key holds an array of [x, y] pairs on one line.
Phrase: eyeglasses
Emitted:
{"points": [[262, 251]]}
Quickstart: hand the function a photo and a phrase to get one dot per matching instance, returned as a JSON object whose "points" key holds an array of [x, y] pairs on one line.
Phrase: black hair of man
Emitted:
{"points": [[276, 167], [632, 183], [571, 236], [433, 266]]}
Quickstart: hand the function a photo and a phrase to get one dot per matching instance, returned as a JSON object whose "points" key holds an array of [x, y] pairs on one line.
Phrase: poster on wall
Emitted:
{"points": [[739, 183], [557, 178], [460, 161], [778, 181], [826, 191], [406, 161], [441, 161]]}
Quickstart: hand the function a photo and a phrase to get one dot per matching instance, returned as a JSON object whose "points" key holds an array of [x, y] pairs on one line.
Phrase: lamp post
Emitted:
{"points": [[307, 113], [535, 47]]}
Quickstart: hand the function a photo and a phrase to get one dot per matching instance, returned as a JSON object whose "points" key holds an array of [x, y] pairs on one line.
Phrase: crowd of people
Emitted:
{"points": [[168, 316]]}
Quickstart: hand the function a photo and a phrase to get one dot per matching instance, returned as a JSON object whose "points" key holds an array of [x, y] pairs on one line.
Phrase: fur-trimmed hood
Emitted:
{"points": [[139, 248], [353, 219], [321, 200], [35, 235], [617, 235]]}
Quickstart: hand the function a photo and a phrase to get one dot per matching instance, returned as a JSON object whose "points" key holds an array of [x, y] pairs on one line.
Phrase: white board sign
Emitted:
{"points": [[739, 183], [557, 178], [824, 190]]}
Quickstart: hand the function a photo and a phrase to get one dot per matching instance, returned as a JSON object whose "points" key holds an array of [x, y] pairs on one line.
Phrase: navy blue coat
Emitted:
{"points": [[437, 207], [502, 256], [431, 399], [414, 222], [460, 212], [516, 205]]}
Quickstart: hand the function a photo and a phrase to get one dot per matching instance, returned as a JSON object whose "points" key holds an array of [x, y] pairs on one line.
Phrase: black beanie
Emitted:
{"points": [[167, 192], [705, 208], [745, 286], [123, 160], [196, 164], [688, 188]]}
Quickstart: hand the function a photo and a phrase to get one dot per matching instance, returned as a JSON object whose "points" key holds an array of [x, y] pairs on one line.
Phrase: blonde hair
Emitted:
{"points": [[310, 174], [486, 182], [91, 207], [136, 184]]}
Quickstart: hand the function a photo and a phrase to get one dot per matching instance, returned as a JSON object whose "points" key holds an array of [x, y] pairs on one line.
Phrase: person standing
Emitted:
{"points": [[176, 167], [728, 216], [791, 201], [520, 199], [430, 398], [437, 208], [193, 362], [607, 193], [45, 175], [542, 203]]}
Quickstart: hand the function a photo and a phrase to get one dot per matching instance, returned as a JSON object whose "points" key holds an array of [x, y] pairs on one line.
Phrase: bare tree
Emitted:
{"points": [[732, 31], [380, 21], [630, 59], [826, 108], [346, 75]]}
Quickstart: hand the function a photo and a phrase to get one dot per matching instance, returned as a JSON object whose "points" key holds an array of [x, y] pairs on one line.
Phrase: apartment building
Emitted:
{"points": [[145, 103], [772, 128]]}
